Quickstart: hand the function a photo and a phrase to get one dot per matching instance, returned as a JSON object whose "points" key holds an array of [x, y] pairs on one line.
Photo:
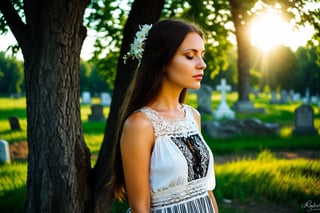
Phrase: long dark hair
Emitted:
{"points": [[162, 43]]}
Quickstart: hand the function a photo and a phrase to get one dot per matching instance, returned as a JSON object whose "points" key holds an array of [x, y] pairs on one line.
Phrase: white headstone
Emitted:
{"points": [[307, 93], [314, 99], [4, 152], [296, 97], [223, 110], [86, 97], [105, 99], [284, 98], [274, 98]]}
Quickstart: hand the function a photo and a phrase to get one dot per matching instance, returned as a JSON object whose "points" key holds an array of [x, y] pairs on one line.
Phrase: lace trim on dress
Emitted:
{"points": [[178, 194], [171, 127], [196, 154]]}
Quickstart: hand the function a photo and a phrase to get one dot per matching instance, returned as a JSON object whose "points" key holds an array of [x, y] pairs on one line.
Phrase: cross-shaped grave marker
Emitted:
{"points": [[223, 88], [223, 110]]}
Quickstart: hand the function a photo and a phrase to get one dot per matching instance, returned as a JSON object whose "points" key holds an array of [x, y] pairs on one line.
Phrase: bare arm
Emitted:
{"points": [[136, 145], [214, 202]]}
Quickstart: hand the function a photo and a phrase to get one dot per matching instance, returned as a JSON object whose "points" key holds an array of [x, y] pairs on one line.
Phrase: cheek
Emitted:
{"points": [[179, 65]]}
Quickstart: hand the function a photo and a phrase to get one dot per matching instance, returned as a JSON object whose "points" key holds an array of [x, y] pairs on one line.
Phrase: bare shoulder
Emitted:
{"points": [[136, 121], [137, 129]]}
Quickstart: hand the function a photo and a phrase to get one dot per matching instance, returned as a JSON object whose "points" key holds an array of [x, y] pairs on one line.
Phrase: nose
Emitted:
{"points": [[201, 64]]}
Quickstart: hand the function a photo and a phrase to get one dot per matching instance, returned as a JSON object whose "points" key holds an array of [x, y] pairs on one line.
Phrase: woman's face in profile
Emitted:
{"points": [[187, 66]]}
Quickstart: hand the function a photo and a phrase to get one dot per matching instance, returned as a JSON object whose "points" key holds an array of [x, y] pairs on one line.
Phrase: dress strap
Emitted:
{"points": [[165, 126], [153, 117]]}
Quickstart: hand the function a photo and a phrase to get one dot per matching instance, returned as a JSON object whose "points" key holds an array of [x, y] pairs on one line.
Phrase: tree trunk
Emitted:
{"points": [[142, 12], [243, 44], [59, 161]]}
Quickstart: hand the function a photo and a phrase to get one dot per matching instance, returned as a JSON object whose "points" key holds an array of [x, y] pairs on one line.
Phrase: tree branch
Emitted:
{"points": [[17, 27]]}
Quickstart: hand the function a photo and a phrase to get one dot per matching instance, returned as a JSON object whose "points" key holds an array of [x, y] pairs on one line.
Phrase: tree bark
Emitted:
{"points": [[142, 12], [59, 161], [243, 44]]}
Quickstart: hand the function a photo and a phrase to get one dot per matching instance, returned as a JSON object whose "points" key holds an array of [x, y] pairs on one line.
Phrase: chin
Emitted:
{"points": [[195, 87]]}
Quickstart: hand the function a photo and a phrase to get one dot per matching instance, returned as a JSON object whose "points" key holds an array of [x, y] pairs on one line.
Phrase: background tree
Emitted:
{"points": [[307, 73], [277, 67], [11, 75]]}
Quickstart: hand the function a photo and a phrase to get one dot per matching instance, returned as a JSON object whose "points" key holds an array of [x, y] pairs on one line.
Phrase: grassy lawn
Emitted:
{"points": [[266, 179]]}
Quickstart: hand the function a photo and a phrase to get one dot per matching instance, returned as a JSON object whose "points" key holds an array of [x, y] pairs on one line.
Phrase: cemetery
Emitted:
{"points": [[259, 100], [286, 134]]}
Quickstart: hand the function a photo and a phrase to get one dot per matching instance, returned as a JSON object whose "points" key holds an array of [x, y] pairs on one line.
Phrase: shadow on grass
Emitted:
{"points": [[13, 201]]}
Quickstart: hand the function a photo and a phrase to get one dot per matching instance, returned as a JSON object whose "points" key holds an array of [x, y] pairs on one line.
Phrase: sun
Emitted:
{"points": [[269, 30]]}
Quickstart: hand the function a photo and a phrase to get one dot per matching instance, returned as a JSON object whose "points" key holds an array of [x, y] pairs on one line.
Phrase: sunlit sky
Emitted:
{"points": [[266, 32], [270, 30]]}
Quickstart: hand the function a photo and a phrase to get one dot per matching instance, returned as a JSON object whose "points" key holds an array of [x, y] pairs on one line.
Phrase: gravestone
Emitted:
{"points": [[86, 97], [306, 98], [291, 94], [105, 99], [96, 113], [223, 110], [304, 120], [296, 97], [274, 98], [284, 97], [14, 123], [4, 152], [314, 99], [204, 99]]}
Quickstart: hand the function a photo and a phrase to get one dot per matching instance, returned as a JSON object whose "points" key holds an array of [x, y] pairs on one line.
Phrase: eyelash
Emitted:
{"points": [[191, 57]]}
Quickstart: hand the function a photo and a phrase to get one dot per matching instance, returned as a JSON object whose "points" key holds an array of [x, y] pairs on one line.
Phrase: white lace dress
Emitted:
{"points": [[181, 167]]}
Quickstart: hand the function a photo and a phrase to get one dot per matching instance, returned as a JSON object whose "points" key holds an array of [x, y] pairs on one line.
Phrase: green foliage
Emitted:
{"points": [[307, 73], [93, 80], [11, 75]]}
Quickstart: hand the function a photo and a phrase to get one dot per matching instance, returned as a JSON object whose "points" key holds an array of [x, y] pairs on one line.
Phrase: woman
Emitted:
{"points": [[161, 162]]}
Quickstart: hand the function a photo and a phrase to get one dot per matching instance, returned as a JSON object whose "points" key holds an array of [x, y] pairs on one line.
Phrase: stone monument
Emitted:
{"points": [[97, 113], [304, 120], [223, 110], [14, 123], [86, 97], [105, 99], [4, 152]]}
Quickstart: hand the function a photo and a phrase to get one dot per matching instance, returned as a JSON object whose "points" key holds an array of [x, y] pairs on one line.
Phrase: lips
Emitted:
{"points": [[198, 77]]}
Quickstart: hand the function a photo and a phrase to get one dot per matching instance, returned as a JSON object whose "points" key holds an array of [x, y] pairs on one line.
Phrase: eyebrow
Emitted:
{"points": [[194, 50]]}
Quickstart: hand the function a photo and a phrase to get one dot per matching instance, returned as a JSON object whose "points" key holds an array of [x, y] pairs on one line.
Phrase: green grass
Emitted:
{"points": [[269, 180], [266, 179], [13, 187]]}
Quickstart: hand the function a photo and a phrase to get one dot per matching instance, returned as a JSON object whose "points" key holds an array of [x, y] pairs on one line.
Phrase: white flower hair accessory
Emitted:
{"points": [[136, 48]]}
